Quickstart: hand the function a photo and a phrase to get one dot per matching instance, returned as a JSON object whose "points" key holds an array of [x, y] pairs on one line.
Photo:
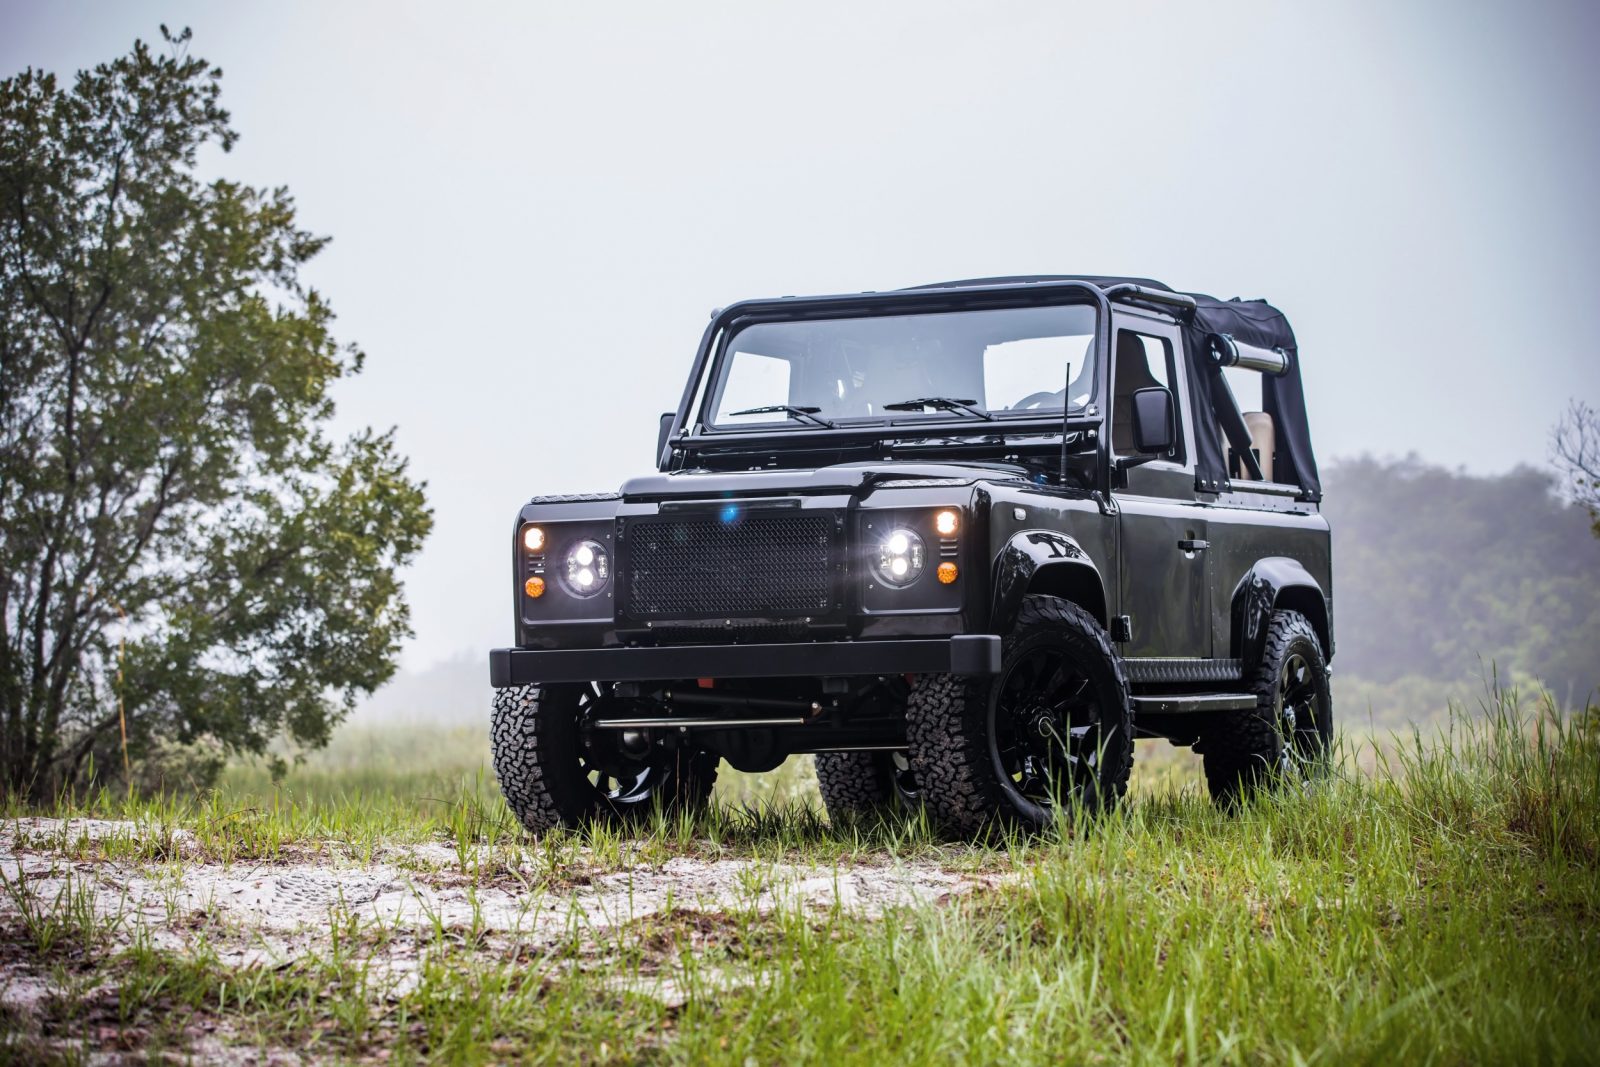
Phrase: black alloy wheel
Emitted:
{"points": [[625, 767], [557, 770], [1304, 716], [1044, 728], [1052, 731], [1287, 737]]}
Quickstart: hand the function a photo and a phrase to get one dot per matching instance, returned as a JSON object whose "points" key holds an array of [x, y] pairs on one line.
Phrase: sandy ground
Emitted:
{"points": [[276, 912]]}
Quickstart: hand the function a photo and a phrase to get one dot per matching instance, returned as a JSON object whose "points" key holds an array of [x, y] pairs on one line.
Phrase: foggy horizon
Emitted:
{"points": [[527, 239]]}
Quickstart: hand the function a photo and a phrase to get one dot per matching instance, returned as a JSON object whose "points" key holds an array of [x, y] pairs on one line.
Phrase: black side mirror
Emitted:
{"points": [[1153, 424], [664, 432]]}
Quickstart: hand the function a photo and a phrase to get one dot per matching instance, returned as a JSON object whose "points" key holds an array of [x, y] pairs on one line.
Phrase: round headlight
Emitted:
{"points": [[900, 558], [586, 569]]}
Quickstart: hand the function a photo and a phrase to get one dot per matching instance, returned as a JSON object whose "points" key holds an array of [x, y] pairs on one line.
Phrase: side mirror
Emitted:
{"points": [[664, 432], [1153, 422]]}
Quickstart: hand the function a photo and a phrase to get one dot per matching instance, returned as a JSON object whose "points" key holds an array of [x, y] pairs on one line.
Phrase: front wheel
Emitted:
{"points": [[557, 771], [1053, 729]]}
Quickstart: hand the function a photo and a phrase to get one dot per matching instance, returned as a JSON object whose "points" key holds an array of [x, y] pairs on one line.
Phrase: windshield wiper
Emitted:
{"points": [[802, 414], [942, 403]]}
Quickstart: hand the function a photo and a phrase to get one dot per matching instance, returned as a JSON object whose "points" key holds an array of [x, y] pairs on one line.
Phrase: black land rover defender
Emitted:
{"points": [[964, 542]]}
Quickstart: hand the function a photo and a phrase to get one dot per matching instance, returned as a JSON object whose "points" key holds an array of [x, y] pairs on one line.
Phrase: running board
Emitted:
{"points": [[1162, 670], [1191, 702]]}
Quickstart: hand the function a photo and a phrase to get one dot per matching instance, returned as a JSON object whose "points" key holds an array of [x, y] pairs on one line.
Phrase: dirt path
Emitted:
{"points": [[156, 884], [427, 884]]}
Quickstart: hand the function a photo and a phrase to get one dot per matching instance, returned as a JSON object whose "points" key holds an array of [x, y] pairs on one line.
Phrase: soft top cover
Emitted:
{"points": [[1103, 281], [1254, 322]]}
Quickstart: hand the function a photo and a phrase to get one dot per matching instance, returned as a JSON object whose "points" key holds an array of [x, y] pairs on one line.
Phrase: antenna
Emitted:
{"points": [[1066, 420]]}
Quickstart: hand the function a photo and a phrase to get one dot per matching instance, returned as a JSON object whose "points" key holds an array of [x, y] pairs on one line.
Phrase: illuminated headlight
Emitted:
{"points": [[586, 569], [900, 558]]}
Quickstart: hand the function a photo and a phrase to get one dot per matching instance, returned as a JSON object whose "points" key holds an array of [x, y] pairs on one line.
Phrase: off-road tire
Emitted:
{"points": [[538, 749], [860, 786], [1251, 750], [947, 727]]}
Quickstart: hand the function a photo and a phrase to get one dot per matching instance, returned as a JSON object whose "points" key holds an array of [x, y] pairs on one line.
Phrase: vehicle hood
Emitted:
{"points": [[838, 478]]}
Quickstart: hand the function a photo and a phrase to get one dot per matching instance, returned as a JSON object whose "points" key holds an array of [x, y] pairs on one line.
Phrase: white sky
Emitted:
{"points": [[534, 207]]}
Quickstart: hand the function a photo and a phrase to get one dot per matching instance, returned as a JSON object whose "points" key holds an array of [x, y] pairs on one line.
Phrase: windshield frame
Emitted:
{"points": [[703, 393]]}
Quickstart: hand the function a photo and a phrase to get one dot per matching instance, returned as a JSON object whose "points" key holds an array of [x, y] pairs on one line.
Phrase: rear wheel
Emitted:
{"points": [[556, 771], [856, 786], [1054, 728], [1288, 736]]}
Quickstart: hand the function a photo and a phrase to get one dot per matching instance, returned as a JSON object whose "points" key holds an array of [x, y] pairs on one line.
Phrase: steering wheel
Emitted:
{"points": [[1034, 399]]}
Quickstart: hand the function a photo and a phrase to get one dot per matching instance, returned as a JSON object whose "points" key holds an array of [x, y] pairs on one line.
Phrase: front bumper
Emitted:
{"points": [[966, 654]]}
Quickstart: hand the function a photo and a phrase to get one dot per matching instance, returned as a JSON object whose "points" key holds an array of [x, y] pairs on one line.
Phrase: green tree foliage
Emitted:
{"points": [[1439, 574], [166, 479]]}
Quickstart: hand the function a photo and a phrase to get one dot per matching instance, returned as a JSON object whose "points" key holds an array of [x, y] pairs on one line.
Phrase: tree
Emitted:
{"points": [[1575, 447], [167, 481], [1439, 574]]}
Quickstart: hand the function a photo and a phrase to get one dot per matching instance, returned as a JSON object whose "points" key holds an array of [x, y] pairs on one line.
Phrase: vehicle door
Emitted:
{"points": [[1162, 570]]}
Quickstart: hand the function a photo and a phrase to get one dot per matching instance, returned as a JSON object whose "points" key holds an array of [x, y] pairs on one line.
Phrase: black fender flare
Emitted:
{"points": [[1034, 557], [1275, 582]]}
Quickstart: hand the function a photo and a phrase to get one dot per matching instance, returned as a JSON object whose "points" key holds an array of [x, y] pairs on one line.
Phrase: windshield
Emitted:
{"points": [[1006, 362]]}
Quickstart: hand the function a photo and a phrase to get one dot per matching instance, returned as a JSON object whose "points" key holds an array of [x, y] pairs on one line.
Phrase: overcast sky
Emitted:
{"points": [[534, 207]]}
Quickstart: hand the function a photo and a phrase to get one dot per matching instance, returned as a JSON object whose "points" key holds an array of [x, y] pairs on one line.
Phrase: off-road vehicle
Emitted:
{"points": [[963, 542]]}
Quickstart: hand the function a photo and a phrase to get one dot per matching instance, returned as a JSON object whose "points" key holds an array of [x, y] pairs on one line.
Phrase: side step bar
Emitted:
{"points": [[1192, 702]]}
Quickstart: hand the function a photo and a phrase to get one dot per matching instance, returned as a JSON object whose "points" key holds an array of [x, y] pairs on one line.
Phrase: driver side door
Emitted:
{"points": [[1163, 575]]}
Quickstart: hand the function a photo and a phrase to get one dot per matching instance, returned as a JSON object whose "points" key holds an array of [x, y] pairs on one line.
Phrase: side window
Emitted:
{"points": [[1246, 386], [754, 381], [1142, 362]]}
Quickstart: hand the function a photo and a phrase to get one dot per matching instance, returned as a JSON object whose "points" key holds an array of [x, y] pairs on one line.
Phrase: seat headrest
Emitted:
{"points": [[1133, 365]]}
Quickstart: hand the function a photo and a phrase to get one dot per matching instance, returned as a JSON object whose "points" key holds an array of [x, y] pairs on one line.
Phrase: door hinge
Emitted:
{"points": [[1121, 628]]}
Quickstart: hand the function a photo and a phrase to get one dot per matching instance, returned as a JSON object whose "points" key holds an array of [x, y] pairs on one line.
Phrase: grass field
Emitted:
{"points": [[380, 904]]}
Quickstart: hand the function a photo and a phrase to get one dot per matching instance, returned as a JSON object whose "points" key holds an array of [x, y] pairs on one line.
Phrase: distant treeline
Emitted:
{"points": [[1441, 575]]}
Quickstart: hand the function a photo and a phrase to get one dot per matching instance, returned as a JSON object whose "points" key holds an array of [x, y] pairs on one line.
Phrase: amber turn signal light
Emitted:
{"points": [[534, 587], [947, 572]]}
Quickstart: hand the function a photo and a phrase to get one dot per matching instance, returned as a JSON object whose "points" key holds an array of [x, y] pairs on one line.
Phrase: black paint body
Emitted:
{"points": [[1183, 578]]}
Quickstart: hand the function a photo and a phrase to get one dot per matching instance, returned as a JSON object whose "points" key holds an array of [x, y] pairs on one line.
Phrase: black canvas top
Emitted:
{"points": [[1104, 281], [1252, 322], [1255, 322]]}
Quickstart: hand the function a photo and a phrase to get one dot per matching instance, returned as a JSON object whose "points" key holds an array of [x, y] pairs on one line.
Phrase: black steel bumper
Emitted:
{"points": [[968, 654]]}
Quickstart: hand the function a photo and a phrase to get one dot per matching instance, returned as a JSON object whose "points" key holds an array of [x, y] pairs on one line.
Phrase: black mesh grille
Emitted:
{"points": [[754, 566]]}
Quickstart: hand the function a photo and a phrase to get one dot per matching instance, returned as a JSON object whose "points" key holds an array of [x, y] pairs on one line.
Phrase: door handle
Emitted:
{"points": [[1189, 544]]}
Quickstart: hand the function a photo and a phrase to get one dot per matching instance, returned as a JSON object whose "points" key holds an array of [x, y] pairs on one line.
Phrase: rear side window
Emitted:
{"points": [[1246, 386]]}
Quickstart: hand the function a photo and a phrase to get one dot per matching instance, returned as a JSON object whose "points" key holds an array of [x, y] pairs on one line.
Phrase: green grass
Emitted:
{"points": [[1443, 907]]}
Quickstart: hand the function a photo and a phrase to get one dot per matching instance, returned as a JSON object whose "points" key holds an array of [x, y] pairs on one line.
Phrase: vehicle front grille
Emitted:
{"points": [[752, 566]]}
